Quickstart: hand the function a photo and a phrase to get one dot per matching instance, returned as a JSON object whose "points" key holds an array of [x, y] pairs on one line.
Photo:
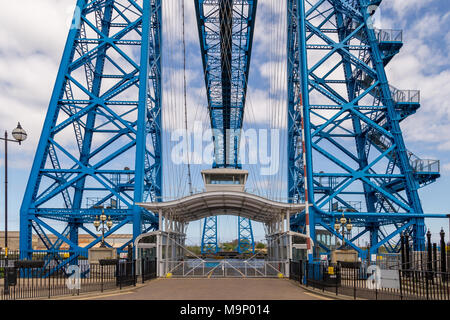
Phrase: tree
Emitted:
{"points": [[260, 245]]}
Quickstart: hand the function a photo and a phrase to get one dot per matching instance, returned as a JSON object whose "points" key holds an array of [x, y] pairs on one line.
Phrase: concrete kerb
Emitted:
{"points": [[139, 285], [327, 293]]}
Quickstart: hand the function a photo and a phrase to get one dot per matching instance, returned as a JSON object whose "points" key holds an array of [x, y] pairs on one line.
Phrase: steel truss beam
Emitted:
{"points": [[356, 159], [209, 238], [246, 243], [101, 141], [226, 30]]}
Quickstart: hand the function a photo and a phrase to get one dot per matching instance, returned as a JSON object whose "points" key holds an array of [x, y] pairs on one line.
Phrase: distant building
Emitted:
{"points": [[115, 240]]}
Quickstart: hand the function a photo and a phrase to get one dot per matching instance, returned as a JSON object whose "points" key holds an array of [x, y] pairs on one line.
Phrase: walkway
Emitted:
{"points": [[215, 289]]}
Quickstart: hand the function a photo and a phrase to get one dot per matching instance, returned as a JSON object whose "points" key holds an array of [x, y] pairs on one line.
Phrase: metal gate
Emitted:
{"points": [[231, 268]]}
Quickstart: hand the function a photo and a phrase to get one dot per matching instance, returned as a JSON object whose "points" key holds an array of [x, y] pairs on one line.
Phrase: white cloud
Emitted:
{"points": [[402, 7], [423, 64]]}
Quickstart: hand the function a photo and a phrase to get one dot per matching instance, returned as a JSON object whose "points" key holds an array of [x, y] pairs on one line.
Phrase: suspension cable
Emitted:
{"points": [[185, 101]]}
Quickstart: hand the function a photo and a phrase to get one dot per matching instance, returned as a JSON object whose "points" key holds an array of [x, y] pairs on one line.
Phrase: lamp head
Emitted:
{"points": [[96, 222], [109, 223], [343, 219], [349, 225], [19, 134], [337, 226]]}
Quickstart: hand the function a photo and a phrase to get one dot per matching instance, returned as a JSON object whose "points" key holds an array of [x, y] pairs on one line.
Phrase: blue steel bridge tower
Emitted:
{"points": [[100, 147], [346, 150], [226, 29]]}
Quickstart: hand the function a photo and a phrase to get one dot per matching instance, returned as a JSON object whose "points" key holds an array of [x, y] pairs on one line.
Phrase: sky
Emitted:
{"points": [[33, 35]]}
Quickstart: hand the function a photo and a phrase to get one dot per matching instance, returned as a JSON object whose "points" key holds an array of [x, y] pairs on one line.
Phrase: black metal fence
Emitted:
{"points": [[27, 282], [372, 282], [126, 273], [296, 270], [148, 269], [322, 276]]}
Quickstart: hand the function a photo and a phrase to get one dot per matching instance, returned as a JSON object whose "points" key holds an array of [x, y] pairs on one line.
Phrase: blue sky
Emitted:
{"points": [[33, 34]]}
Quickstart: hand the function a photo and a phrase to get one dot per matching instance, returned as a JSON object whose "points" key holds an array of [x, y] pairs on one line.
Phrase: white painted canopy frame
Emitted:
{"points": [[199, 206]]}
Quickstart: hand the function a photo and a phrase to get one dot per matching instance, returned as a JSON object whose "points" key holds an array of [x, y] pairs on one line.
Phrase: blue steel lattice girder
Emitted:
{"points": [[323, 38], [209, 238], [246, 243], [108, 90], [226, 34], [226, 29]]}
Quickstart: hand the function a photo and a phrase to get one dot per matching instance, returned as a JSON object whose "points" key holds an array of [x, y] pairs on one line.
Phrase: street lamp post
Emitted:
{"points": [[19, 136], [342, 224], [102, 221], [448, 216]]}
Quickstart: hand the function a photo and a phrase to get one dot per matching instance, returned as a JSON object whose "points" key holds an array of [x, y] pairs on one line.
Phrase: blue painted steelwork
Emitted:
{"points": [[356, 159], [246, 243], [101, 141], [226, 30], [209, 238]]}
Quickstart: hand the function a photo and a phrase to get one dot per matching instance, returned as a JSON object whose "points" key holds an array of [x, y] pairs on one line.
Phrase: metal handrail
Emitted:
{"points": [[389, 35]]}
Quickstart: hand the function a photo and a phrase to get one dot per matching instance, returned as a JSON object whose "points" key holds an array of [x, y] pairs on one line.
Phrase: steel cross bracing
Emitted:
{"points": [[101, 141], [246, 242], [209, 238], [351, 150], [226, 30]]}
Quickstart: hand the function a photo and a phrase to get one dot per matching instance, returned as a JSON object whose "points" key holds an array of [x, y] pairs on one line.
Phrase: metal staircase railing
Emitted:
{"points": [[423, 165], [59, 175], [418, 165], [389, 35]]}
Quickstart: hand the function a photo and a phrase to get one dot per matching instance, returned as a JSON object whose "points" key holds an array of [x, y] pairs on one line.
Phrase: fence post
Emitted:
{"points": [[354, 283], [119, 276], [435, 264], [306, 273], [290, 269], [300, 271], [101, 272], [376, 285], [48, 275], [338, 274], [402, 250], [142, 270], [426, 281], [429, 253], [407, 255], [323, 277], [400, 279], [443, 256], [133, 265], [79, 266]]}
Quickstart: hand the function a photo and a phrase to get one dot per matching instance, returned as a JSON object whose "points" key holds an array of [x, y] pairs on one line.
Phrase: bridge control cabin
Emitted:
{"points": [[168, 245], [224, 179], [225, 195]]}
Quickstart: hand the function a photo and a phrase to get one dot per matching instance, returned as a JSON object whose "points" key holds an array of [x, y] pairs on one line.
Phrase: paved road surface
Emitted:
{"points": [[216, 289]]}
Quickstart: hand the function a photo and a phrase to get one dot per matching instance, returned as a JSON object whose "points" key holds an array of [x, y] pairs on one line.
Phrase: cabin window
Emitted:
{"points": [[225, 179]]}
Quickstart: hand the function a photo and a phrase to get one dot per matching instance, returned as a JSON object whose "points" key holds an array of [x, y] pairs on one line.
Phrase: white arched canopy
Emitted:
{"points": [[174, 216], [199, 206]]}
